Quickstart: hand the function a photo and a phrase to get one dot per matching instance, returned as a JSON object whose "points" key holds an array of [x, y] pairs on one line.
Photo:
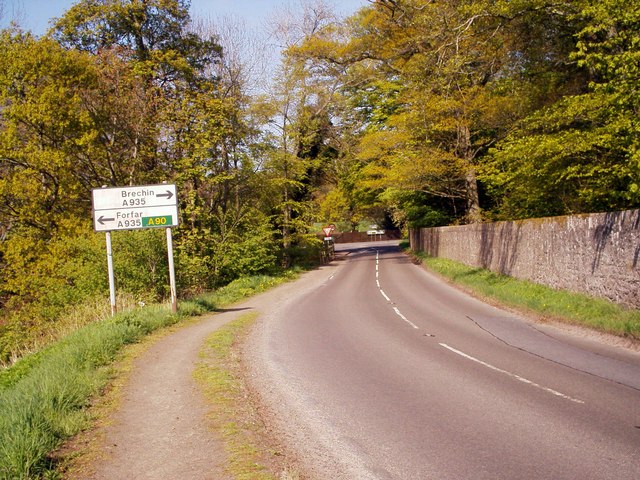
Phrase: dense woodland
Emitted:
{"points": [[409, 113]]}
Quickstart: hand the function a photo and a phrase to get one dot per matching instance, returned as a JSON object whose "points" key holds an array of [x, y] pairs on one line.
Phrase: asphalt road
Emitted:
{"points": [[378, 370]]}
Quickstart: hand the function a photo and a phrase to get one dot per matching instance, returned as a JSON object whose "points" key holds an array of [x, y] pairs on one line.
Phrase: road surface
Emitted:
{"points": [[378, 370]]}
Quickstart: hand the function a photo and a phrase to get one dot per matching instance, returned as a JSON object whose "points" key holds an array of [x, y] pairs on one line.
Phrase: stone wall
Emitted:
{"points": [[597, 254]]}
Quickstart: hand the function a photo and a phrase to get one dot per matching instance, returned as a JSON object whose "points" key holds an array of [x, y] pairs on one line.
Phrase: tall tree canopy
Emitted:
{"points": [[121, 92], [476, 108], [580, 153]]}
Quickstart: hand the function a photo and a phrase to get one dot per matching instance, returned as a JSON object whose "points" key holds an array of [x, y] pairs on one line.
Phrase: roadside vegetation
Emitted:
{"points": [[569, 307], [44, 397], [407, 114], [233, 413]]}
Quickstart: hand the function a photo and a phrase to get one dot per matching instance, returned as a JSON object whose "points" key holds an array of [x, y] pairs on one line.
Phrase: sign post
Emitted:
{"points": [[132, 208], [112, 282], [172, 272]]}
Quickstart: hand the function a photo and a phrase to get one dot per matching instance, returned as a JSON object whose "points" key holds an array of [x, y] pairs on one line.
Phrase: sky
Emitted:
{"points": [[34, 15]]}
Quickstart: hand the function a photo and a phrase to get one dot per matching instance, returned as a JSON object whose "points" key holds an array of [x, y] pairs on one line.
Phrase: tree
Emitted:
{"points": [[45, 180], [46, 247], [149, 61], [120, 93], [440, 91], [153, 33], [299, 131], [172, 109], [580, 153]]}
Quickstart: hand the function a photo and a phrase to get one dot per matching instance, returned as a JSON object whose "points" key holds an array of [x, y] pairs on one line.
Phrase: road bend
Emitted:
{"points": [[383, 371]]}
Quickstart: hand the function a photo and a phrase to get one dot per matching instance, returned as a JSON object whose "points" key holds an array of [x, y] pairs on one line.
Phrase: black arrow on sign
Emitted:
{"points": [[169, 194], [101, 220]]}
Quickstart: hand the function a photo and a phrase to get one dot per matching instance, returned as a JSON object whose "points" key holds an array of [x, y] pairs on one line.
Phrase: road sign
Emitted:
{"points": [[327, 231], [130, 208], [134, 218], [131, 197]]}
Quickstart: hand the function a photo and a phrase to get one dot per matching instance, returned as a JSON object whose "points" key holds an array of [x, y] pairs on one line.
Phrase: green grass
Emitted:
{"points": [[224, 391], [44, 397], [232, 413], [574, 308]]}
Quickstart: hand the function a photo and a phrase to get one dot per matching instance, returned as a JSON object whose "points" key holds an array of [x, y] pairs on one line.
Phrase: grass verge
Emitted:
{"points": [[232, 413], [44, 397], [562, 305]]}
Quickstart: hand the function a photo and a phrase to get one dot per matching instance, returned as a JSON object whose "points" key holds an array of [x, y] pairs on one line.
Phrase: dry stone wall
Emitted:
{"points": [[596, 254]]}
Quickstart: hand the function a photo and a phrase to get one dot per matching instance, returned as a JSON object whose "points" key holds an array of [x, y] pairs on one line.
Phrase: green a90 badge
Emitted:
{"points": [[162, 221]]}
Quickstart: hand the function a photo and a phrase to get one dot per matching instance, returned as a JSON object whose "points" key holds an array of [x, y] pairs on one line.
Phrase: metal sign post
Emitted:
{"points": [[172, 273], [112, 281], [132, 208]]}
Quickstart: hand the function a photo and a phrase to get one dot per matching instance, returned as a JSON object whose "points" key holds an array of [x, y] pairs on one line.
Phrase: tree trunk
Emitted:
{"points": [[473, 200], [286, 221], [465, 150]]}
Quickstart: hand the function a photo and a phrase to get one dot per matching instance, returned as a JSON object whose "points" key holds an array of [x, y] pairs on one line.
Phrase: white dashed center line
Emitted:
{"points": [[464, 355], [405, 318], [385, 296], [395, 309]]}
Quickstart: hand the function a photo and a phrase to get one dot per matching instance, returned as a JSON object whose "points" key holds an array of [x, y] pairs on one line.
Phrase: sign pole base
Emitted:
{"points": [[172, 272]]}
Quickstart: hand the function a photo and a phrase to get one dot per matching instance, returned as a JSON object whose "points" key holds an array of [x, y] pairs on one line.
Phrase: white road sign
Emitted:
{"points": [[129, 208]]}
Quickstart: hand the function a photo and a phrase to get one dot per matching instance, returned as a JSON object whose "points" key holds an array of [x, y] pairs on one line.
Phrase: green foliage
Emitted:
{"points": [[425, 216], [43, 398], [210, 257], [305, 251], [45, 405], [574, 159], [250, 255], [119, 93], [153, 32], [62, 271], [140, 262], [43, 281], [521, 108], [414, 209], [43, 122], [581, 153], [71, 270]]}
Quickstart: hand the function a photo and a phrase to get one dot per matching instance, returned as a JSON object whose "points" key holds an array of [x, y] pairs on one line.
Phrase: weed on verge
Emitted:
{"points": [[232, 413]]}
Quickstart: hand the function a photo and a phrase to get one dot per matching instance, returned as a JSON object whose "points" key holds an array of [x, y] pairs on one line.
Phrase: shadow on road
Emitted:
{"points": [[389, 248], [224, 310]]}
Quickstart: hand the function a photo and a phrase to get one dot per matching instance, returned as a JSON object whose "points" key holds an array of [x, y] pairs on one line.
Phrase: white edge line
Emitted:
{"points": [[512, 375], [385, 295]]}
